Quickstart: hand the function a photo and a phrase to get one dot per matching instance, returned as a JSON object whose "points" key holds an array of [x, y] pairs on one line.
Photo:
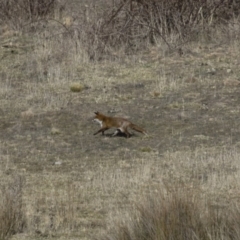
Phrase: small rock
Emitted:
{"points": [[58, 163], [139, 85], [211, 71], [231, 83], [155, 93], [76, 87], [201, 137], [27, 114], [191, 80], [229, 70], [55, 131]]}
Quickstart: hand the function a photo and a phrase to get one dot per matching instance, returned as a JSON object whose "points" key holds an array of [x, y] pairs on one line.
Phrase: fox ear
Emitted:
{"points": [[96, 113]]}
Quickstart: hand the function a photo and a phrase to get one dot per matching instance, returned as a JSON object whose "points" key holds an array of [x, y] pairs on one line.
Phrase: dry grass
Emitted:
{"points": [[179, 214], [191, 200], [12, 217], [182, 181], [202, 184]]}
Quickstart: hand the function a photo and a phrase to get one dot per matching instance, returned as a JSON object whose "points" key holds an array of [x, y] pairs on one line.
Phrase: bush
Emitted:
{"points": [[135, 24], [20, 11], [179, 215], [12, 219]]}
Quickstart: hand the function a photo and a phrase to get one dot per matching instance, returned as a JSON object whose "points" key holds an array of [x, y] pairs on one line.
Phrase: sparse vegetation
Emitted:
{"points": [[17, 14], [182, 213], [12, 217], [170, 66]]}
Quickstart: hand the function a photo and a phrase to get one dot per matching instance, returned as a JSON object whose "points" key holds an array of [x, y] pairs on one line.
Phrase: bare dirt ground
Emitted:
{"points": [[201, 109], [188, 104]]}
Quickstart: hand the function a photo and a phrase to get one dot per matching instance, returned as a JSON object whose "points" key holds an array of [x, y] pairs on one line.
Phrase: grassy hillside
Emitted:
{"points": [[58, 181]]}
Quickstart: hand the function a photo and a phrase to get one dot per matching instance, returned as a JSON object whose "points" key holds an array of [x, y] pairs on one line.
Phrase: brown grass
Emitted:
{"points": [[12, 217], [182, 213], [182, 182], [194, 208]]}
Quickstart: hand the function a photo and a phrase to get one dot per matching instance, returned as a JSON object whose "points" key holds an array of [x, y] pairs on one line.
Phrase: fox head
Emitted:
{"points": [[97, 118]]}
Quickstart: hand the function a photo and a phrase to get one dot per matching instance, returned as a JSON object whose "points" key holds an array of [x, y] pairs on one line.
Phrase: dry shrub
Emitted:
{"points": [[22, 11], [134, 24], [12, 219], [179, 215], [102, 28]]}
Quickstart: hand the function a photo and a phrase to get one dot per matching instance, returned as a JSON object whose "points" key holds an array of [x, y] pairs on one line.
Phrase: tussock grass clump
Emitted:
{"points": [[180, 215], [76, 87], [25, 10], [134, 25], [12, 219]]}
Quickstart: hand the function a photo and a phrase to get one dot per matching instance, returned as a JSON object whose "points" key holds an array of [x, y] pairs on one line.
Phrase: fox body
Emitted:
{"points": [[121, 124]]}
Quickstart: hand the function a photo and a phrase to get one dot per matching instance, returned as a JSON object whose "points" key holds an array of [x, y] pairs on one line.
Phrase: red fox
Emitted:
{"points": [[121, 124]]}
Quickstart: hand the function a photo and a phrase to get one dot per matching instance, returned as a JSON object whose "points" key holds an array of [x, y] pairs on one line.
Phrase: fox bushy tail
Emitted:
{"points": [[138, 129]]}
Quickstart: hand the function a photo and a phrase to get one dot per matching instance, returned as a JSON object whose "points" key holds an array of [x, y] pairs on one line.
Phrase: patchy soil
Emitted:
{"points": [[184, 103], [194, 116]]}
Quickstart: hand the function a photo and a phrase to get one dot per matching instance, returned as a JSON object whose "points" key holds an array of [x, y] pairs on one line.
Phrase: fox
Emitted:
{"points": [[121, 124]]}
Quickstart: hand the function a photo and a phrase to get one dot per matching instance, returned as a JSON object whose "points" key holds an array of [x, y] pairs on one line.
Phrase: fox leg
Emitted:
{"points": [[101, 130], [122, 131], [116, 132], [127, 133]]}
